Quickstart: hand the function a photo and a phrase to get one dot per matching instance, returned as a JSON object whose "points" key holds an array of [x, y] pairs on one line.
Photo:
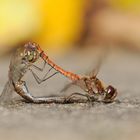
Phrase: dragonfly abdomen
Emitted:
{"points": [[70, 75]]}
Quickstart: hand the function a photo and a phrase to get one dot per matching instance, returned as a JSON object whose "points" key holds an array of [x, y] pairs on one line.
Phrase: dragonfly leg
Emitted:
{"points": [[38, 80], [40, 69]]}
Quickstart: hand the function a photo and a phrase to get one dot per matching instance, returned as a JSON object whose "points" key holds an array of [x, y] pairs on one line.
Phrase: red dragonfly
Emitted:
{"points": [[24, 59]]}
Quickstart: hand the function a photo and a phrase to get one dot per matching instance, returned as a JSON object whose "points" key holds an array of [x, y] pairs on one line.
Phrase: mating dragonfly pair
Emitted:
{"points": [[23, 60]]}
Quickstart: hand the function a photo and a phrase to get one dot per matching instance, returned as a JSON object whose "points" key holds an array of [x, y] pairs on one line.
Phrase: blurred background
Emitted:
{"points": [[58, 25]]}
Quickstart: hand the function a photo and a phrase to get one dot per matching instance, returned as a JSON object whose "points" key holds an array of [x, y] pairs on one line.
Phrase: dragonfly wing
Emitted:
{"points": [[80, 83], [67, 86], [101, 58], [6, 95]]}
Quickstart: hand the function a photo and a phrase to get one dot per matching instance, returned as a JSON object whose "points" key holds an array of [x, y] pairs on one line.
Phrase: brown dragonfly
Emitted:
{"points": [[23, 60]]}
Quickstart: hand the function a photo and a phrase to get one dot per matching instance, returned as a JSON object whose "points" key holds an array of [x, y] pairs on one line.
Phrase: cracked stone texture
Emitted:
{"points": [[118, 120]]}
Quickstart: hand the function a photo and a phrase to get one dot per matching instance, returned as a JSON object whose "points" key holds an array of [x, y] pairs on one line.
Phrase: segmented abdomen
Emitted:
{"points": [[70, 75]]}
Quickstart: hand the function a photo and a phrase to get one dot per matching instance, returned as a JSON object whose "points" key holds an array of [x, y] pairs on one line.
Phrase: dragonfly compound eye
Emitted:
{"points": [[30, 53], [32, 56], [111, 93]]}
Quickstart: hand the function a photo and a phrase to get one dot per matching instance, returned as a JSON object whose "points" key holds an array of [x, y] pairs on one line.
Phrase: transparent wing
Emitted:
{"points": [[80, 83], [6, 95], [102, 56], [93, 73], [67, 86]]}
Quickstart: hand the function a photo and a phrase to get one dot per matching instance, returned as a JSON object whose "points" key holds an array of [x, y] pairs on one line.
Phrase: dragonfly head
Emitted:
{"points": [[110, 94], [31, 53]]}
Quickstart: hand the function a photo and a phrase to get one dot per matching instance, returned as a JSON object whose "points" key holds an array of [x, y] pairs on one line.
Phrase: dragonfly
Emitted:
{"points": [[23, 61], [94, 89]]}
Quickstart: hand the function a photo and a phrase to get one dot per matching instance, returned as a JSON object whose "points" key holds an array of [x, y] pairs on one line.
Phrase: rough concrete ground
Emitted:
{"points": [[118, 120]]}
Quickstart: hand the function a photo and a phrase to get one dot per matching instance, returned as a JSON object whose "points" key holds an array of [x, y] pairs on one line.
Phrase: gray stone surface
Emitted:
{"points": [[97, 121]]}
